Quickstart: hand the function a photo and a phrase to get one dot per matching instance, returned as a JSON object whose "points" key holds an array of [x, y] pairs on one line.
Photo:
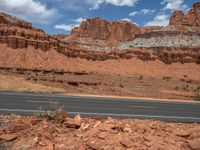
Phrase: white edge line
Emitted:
{"points": [[108, 114]]}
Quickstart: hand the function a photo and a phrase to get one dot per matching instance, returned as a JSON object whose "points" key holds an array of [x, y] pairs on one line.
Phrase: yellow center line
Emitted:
{"points": [[48, 102], [145, 107]]}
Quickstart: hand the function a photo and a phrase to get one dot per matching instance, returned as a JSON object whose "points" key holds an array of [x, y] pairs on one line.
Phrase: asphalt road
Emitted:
{"points": [[26, 104]]}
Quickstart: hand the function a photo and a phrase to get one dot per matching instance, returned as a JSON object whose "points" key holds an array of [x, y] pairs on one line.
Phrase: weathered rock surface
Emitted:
{"points": [[149, 29], [101, 29], [17, 33], [190, 19], [98, 39], [8, 137], [195, 144], [10, 20], [98, 134]]}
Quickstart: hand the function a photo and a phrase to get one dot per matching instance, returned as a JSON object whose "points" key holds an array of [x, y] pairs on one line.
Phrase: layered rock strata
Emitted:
{"points": [[98, 39]]}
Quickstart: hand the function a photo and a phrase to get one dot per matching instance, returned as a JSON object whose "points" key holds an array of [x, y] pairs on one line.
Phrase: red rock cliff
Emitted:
{"points": [[10, 20], [101, 29], [190, 19], [17, 33]]}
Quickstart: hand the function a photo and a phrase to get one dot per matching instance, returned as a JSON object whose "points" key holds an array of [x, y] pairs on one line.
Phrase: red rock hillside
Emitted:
{"points": [[100, 40]]}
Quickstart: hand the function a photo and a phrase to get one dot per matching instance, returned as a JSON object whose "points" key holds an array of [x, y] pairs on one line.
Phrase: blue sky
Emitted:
{"points": [[60, 16]]}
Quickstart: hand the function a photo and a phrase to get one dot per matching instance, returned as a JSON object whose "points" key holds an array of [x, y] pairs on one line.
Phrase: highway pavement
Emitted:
{"points": [[27, 104]]}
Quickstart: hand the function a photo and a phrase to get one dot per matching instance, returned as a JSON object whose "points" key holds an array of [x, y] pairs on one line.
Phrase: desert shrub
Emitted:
{"points": [[198, 88], [185, 76], [176, 88], [141, 77], [166, 78], [58, 71], [121, 86], [187, 80], [49, 112], [197, 97], [185, 88], [19, 71]]}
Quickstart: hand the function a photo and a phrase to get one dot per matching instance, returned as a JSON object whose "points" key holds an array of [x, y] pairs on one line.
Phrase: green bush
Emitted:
{"points": [[197, 97]]}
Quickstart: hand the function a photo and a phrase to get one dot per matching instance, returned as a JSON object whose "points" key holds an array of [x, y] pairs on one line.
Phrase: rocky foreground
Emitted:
{"points": [[65, 133]]}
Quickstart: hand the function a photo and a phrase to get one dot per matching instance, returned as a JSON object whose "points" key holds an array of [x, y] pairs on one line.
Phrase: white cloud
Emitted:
{"points": [[134, 13], [163, 20], [79, 20], [129, 20], [66, 27], [69, 27], [143, 11], [160, 20], [95, 4], [174, 4], [147, 11], [126, 19], [28, 9]]}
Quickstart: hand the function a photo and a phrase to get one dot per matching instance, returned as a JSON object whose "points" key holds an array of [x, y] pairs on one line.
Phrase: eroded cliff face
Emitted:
{"points": [[10, 20], [17, 33], [98, 39], [190, 19], [103, 30]]}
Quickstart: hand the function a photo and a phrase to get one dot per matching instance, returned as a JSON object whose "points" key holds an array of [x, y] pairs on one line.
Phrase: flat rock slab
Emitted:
{"points": [[8, 137]]}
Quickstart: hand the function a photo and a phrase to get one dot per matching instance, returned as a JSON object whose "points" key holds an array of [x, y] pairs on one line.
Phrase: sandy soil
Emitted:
{"points": [[12, 83], [65, 133]]}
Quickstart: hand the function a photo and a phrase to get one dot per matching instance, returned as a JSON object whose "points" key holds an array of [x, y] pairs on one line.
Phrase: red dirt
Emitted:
{"points": [[31, 58], [63, 133]]}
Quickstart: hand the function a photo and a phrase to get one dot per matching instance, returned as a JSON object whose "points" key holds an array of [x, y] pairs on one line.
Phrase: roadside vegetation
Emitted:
{"points": [[197, 97]]}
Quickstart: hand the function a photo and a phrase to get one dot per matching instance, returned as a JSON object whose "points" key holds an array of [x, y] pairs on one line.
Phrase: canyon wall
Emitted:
{"points": [[190, 19], [98, 39], [101, 29]]}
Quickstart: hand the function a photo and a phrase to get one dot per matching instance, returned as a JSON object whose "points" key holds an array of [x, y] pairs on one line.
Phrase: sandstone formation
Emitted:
{"points": [[10, 20], [190, 19], [149, 29], [101, 29], [17, 33], [98, 39]]}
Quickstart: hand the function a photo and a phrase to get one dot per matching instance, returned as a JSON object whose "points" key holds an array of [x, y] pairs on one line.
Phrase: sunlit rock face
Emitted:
{"points": [[101, 29], [190, 19]]}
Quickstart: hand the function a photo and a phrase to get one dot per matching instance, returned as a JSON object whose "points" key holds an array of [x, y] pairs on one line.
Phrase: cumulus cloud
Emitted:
{"points": [[163, 20], [76, 23], [79, 20], [66, 27], [147, 11], [95, 4], [174, 5], [126, 19], [143, 11], [28, 9], [160, 20], [129, 20], [134, 13]]}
